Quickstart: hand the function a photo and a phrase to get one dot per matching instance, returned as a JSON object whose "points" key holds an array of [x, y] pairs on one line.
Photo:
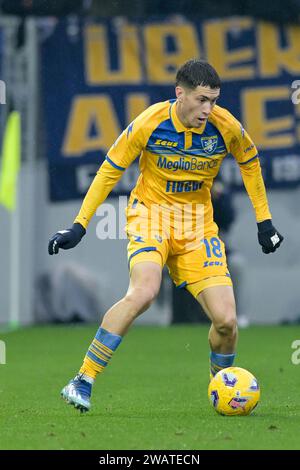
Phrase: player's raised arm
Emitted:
{"points": [[246, 154], [126, 148]]}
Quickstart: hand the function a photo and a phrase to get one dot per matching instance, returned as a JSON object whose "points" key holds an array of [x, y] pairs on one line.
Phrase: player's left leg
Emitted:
{"points": [[219, 304], [203, 272]]}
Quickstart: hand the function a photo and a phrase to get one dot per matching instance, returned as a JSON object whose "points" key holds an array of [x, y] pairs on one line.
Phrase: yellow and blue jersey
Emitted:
{"points": [[178, 164]]}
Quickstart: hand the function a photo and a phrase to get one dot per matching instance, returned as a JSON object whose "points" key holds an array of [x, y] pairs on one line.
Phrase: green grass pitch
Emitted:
{"points": [[153, 395]]}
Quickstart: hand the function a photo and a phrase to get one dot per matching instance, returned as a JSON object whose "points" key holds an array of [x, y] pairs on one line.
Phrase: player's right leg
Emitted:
{"points": [[143, 288], [145, 280]]}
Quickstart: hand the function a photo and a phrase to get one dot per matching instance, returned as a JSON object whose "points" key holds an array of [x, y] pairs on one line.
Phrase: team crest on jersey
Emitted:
{"points": [[209, 144]]}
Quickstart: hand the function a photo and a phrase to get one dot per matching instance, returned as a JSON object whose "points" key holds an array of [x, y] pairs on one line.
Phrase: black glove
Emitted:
{"points": [[268, 237], [66, 239]]}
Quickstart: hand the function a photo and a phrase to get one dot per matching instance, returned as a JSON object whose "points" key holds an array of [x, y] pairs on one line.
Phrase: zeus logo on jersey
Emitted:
{"points": [[249, 148], [168, 143], [183, 164], [183, 186], [212, 263]]}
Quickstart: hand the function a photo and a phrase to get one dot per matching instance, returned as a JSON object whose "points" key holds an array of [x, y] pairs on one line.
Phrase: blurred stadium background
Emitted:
{"points": [[78, 72]]}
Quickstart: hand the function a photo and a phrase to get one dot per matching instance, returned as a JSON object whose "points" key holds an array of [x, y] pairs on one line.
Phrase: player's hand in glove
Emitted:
{"points": [[268, 237], [66, 239]]}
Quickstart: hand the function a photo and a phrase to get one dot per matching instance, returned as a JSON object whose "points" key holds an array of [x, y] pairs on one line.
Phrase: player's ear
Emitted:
{"points": [[179, 93]]}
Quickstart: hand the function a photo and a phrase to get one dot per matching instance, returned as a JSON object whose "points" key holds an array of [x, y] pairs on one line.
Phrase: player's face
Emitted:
{"points": [[195, 105]]}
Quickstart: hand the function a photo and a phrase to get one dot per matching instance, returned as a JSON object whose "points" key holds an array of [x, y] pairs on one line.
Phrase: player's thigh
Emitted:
{"points": [[144, 286], [218, 302], [145, 280]]}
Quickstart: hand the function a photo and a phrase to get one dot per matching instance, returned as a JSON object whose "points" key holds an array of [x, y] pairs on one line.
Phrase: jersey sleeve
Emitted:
{"points": [[105, 180], [241, 146], [245, 153], [128, 146], [124, 151]]}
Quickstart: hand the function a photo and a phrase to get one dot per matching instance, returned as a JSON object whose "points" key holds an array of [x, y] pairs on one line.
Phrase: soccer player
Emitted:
{"points": [[181, 144]]}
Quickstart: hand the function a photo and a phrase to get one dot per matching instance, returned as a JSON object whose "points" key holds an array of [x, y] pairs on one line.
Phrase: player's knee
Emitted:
{"points": [[141, 298], [227, 325]]}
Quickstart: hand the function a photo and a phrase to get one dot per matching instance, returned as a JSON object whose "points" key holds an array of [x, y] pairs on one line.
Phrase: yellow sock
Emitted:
{"points": [[99, 353]]}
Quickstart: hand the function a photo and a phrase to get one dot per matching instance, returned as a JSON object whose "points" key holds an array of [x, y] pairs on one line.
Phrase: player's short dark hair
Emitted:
{"points": [[196, 72]]}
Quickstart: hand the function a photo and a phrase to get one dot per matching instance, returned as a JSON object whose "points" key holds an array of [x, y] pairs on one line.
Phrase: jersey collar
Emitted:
{"points": [[178, 124]]}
